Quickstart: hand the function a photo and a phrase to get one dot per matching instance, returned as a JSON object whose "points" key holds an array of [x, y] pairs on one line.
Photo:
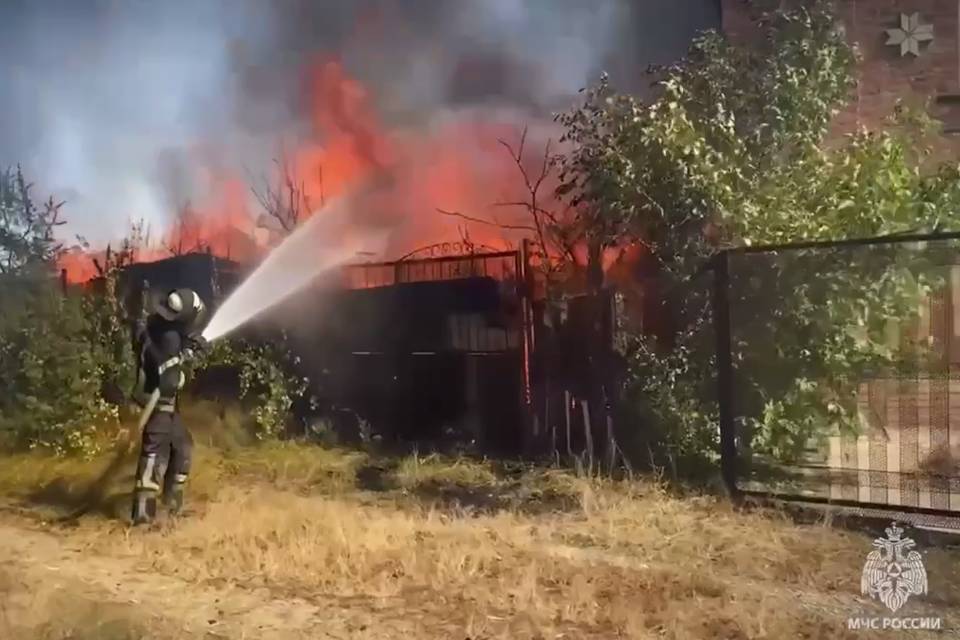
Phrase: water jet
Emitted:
{"points": [[329, 239]]}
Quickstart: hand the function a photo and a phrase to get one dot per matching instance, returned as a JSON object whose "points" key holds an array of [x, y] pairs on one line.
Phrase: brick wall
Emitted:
{"points": [[883, 75]]}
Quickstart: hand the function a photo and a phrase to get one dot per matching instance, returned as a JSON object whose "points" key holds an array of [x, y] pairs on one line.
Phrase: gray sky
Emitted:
{"points": [[110, 104]]}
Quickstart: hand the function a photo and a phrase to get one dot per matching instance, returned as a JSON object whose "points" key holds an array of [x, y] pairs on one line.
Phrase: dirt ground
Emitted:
{"points": [[292, 542]]}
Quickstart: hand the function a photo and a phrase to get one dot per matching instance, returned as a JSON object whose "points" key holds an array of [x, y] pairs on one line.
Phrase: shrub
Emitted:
{"points": [[268, 380], [61, 353], [50, 373], [736, 151]]}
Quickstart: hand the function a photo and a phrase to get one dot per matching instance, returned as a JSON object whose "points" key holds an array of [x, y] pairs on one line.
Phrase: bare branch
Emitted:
{"points": [[287, 202], [528, 206], [184, 217], [537, 213], [514, 227]]}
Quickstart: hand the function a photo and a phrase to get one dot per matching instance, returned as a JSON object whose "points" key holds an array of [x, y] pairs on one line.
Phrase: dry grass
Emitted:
{"points": [[502, 573], [34, 609], [224, 455], [417, 471], [630, 562], [619, 560], [291, 466]]}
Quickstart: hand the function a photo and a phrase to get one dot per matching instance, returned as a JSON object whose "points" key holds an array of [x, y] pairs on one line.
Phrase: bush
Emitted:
{"points": [[110, 339], [66, 360], [268, 380], [736, 151], [50, 372], [667, 404], [61, 354]]}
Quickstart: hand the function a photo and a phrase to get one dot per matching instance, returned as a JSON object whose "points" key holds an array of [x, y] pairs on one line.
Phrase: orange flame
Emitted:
{"points": [[459, 166]]}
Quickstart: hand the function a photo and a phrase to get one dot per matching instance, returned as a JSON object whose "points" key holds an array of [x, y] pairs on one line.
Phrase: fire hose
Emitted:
{"points": [[98, 488], [95, 493]]}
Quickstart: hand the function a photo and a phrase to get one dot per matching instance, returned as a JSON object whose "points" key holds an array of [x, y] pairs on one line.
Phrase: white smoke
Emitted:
{"points": [[110, 105]]}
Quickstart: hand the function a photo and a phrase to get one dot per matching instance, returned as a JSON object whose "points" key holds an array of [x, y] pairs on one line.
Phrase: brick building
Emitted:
{"points": [[909, 51]]}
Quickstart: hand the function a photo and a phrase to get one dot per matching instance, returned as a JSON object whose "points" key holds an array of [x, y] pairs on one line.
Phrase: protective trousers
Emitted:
{"points": [[165, 456]]}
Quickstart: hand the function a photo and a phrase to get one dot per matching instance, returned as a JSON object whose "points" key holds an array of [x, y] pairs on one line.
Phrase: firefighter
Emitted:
{"points": [[165, 341]]}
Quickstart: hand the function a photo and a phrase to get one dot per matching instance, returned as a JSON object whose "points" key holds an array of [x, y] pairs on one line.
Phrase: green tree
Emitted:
{"points": [[735, 151], [26, 229], [57, 348], [108, 313], [50, 376]]}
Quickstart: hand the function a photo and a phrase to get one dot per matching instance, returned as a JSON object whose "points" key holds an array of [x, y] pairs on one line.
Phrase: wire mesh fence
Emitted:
{"points": [[841, 376]]}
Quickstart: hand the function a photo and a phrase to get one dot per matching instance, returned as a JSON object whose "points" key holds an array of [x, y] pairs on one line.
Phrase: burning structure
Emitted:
{"points": [[420, 349], [429, 135]]}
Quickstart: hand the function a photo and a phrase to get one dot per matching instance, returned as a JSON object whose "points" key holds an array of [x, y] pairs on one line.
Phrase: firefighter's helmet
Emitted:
{"points": [[183, 306]]}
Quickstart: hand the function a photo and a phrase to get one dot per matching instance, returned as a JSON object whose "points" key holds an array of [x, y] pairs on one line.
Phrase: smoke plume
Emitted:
{"points": [[132, 109]]}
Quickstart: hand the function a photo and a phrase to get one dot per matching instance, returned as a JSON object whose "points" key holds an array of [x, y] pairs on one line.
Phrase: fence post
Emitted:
{"points": [[524, 283], [721, 323]]}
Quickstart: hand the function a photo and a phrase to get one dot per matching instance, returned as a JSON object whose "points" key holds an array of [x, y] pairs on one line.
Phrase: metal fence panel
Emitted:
{"points": [[843, 377]]}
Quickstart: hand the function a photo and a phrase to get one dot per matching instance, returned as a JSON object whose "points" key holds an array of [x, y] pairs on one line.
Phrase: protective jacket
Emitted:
{"points": [[164, 344], [161, 346]]}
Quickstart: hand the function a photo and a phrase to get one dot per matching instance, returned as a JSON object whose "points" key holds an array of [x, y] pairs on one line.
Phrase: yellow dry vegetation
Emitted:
{"points": [[446, 548]]}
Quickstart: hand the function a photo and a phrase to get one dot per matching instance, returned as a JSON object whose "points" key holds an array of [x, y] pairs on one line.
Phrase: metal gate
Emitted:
{"points": [[423, 346], [838, 371]]}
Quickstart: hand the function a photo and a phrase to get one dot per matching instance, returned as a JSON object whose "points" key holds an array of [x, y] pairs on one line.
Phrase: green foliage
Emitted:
{"points": [[111, 326], [669, 396], [733, 152], [60, 354], [267, 378], [730, 124], [110, 338], [810, 326], [588, 174], [26, 230], [63, 355], [49, 374]]}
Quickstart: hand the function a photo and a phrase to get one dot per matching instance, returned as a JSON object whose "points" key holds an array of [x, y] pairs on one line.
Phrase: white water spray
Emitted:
{"points": [[327, 240]]}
